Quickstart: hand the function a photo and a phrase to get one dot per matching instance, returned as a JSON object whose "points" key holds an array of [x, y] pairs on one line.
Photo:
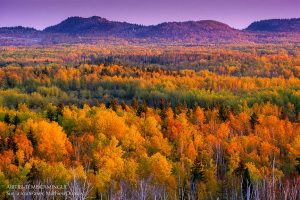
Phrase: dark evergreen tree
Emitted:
{"points": [[135, 103], [197, 171], [123, 105], [33, 174], [197, 175], [16, 120], [254, 120], [7, 118], [11, 144], [113, 104], [60, 109], [298, 165], [52, 114], [31, 137], [142, 109], [223, 112], [243, 172], [162, 104]]}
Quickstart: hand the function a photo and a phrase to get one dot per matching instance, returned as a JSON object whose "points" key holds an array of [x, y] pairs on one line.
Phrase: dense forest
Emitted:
{"points": [[150, 122], [267, 60]]}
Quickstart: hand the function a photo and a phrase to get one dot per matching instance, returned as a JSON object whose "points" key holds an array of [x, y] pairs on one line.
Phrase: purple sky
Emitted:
{"points": [[236, 13]]}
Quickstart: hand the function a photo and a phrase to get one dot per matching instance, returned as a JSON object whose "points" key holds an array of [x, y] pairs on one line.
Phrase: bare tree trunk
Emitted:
{"points": [[79, 190]]}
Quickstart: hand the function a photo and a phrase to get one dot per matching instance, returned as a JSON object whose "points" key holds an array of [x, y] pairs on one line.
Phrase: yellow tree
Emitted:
{"points": [[107, 122], [108, 160], [53, 144]]}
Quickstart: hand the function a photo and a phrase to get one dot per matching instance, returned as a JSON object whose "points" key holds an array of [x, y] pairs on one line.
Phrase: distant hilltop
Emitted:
{"points": [[276, 25], [89, 30], [99, 25]]}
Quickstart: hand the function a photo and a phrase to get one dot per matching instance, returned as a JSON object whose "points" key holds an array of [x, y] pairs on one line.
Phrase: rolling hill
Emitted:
{"points": [[276, 25], [93, 26], [97, 29]]}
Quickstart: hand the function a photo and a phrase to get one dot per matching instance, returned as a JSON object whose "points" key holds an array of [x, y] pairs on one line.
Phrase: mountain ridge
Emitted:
{"points": [[95, 24], [92, 29], [276, 25], [260, 25], [101, 26]]}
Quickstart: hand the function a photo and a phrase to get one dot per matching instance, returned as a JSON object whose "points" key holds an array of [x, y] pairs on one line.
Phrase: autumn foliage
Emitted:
{"points": [[121, 132]]}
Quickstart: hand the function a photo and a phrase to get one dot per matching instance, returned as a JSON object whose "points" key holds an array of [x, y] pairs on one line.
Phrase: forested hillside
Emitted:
{"points": [[276, 25], [150, 122], [99, 30]]}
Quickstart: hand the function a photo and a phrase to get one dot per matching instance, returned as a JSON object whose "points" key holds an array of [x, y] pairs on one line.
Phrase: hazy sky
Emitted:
{"points": [[236, 13]]}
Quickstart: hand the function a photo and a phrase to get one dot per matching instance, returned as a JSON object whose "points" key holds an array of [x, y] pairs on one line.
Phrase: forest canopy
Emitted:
{"points": [[155, 122]]}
